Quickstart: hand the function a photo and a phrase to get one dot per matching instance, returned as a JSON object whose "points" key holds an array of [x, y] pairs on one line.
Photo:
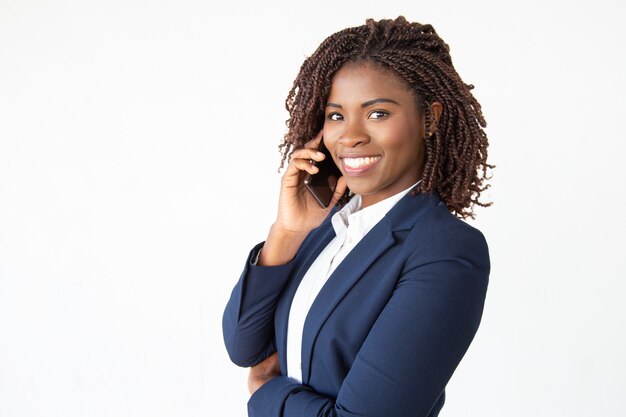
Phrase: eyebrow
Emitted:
{"points": [[367, 103]]}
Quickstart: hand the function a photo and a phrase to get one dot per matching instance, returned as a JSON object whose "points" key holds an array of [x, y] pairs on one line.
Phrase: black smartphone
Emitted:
{"points": [[323, 183]]}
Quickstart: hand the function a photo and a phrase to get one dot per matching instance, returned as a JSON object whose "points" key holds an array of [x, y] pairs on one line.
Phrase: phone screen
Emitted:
{"points": [[322, 184]]}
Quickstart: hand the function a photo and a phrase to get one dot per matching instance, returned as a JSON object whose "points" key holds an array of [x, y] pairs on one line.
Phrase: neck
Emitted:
{"points": [[369, 200]]}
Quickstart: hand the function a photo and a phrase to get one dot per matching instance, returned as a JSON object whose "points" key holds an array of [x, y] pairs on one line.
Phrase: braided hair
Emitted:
{"points": [[456, 151]]}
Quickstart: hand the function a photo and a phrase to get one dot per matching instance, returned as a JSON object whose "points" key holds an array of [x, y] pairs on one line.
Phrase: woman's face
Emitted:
{"points": [[374, 131]]}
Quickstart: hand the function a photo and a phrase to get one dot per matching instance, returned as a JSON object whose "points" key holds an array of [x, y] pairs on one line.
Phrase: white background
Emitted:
{"points": [[138, 166]]}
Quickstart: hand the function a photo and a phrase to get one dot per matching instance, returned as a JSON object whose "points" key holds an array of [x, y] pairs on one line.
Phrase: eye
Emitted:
{"points": [[334, 117], [378, 114]]}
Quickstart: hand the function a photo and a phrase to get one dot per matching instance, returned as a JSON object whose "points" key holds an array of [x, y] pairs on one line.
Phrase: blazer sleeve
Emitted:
{"points": [[248, 320], [415, 344]]}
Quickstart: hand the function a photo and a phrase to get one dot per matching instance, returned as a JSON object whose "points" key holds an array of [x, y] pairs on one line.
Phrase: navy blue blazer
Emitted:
{"points": [[386, 331]]}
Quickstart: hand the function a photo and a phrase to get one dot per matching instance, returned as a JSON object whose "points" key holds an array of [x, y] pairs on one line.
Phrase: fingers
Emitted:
{"points": [[306, 153], [315, 142], [310, 152], [303, 160], [305, 165]]}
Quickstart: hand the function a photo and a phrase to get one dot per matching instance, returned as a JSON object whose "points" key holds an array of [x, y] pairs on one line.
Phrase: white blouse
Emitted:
{"points": [[351, 224]]}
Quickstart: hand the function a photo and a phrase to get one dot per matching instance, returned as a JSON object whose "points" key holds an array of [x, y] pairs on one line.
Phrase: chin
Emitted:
{"points": [[361, 189]]}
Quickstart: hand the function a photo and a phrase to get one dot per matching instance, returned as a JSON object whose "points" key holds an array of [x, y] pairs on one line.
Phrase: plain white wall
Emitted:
{"points": [[138, 158]]}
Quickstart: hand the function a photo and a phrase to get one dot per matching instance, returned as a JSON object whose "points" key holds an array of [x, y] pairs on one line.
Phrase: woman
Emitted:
{"points": [[366, 309]]}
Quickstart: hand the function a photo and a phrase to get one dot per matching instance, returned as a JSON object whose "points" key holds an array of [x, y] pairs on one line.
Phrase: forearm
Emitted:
{"points": [[248, 320]]}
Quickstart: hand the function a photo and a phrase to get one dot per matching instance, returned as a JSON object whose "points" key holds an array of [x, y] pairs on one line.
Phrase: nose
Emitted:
{"points": [[353, 135]]}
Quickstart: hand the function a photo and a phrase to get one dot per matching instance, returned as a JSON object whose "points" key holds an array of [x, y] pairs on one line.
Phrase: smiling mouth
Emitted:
{"points": [[360, 163]]}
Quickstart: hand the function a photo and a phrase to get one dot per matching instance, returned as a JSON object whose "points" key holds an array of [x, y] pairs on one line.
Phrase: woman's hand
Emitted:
{"points": [[298, 211], [263, 372]]}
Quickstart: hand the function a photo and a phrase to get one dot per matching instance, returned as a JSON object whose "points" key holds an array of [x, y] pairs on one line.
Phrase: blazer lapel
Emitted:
{"points": [[322, 236], [373, 245]]}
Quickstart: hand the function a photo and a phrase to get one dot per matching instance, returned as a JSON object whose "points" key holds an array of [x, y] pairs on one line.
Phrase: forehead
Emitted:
{"points": [[370, 81]]}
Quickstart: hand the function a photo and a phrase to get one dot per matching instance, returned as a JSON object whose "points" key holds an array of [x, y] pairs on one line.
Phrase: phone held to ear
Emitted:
{"points": [[323, 183]]}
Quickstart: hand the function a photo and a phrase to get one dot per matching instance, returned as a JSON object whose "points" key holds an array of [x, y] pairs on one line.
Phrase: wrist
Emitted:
{"points": [[281, 246], [257, 382], [280, 231]]}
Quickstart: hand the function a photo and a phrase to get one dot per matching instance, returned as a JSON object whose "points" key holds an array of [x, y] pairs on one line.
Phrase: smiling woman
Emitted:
{"points": [[366, 308]]}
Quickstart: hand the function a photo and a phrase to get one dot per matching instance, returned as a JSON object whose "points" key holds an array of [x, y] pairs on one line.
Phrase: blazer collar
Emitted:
{"points": [[409, 209]]}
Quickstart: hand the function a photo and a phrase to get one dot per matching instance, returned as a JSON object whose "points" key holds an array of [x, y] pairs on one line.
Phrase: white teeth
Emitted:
{"points": [[359, 162]]}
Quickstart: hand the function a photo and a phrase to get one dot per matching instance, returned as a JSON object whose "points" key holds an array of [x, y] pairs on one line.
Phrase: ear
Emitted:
{"points": [[436, 109]]}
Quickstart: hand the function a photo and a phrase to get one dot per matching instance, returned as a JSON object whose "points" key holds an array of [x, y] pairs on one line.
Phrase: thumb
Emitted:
{"points": [[340, 189]]}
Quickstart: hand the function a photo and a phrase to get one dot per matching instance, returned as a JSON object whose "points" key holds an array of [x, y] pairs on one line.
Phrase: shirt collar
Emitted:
{"points": [[353, 214]]}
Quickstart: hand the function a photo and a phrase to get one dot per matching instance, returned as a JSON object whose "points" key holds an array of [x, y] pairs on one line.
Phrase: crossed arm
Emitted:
{"points": [[410, 353]]}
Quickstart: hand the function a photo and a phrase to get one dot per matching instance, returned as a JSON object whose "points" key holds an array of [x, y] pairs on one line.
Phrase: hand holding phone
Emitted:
{"points": [[297, 213]]}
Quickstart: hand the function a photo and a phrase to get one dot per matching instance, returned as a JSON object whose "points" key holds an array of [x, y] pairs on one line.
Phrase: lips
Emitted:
{"points": [[359, 165]]}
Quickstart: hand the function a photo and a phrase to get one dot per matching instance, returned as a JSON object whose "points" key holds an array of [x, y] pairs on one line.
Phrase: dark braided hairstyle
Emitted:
{"points": [[456, 152]]}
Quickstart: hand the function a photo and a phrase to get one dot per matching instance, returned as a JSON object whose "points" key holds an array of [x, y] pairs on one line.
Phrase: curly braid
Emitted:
{"points": [[456, 151]]}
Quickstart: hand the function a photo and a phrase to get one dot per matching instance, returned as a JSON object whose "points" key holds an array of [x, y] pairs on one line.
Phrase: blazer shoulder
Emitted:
{"points": [[441, 235], [439, 219]]}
